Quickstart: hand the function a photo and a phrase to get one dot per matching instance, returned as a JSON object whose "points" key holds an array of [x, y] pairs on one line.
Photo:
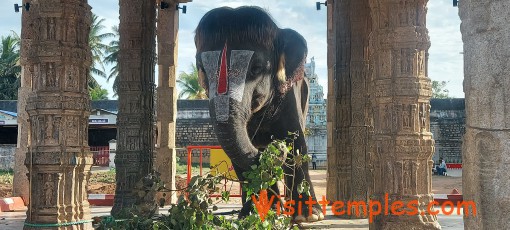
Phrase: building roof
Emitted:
{"points": [[108, 105], [112, 105], [192, 104], [9, 113], [9, 105], [447, 104]]}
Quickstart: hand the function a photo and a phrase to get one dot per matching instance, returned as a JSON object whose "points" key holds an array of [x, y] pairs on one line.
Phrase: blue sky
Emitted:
{"points": [[445, 62]]}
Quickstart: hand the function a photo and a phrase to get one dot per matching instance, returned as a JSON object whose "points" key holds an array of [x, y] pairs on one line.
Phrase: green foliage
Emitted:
{"points": [[10, 70], [98, 49], [194, 208], [277, 154], [104, 177], [6, 176], [98, 93], [270, 170], [190, 85], [439, 90], [112, 55]]}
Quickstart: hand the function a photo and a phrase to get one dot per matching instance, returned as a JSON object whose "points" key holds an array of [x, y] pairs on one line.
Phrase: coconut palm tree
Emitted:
{"points": [[112, 55], [98, 49], [98, 93], [10, 70], [189, 84]]}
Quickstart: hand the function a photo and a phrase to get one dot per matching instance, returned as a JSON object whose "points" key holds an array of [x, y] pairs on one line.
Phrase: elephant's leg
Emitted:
{"points": [[274, 192], [248, 204], [302, 201]]}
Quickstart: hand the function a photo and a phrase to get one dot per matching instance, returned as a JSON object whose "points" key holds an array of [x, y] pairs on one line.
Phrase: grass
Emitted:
{"points": [[182, 168], [6, 176], [109, 176], [103, 177]]}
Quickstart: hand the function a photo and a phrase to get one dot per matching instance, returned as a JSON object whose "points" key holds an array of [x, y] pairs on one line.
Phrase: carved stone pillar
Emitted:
{"points": [[168, 25], [20, 183], [348, 117], [58, 159], [486, 153], [135, 122], [401, 91]]}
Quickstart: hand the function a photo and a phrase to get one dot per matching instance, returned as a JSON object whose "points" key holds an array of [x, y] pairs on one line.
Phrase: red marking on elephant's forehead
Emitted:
{"points": [[222, 80]]}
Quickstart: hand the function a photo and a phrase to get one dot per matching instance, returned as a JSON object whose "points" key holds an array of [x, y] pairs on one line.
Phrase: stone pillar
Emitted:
{"points": [[486, 153], [135, 133], [401, 91], [20, 181], [348, 117], [168, 26], [58, 159]]}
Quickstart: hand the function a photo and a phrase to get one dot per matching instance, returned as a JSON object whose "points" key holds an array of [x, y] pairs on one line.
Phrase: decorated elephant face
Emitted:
{"points": [[244, 58], [226, 79]]}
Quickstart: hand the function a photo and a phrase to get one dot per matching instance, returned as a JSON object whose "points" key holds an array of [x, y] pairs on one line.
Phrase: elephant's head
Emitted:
{"points": [[244, 62]]}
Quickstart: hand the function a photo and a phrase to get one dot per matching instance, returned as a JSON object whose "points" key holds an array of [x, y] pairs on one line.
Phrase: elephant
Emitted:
{"points": [[253, 73]]}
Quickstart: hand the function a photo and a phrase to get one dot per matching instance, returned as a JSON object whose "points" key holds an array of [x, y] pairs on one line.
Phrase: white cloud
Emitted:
{"points": [[445, 62]]}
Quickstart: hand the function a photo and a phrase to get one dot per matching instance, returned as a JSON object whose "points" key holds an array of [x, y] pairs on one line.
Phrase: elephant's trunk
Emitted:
{"points": [[233, 135]]}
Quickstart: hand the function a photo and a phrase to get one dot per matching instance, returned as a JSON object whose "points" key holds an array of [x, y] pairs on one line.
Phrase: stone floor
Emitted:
{"points": [[14, 220]]}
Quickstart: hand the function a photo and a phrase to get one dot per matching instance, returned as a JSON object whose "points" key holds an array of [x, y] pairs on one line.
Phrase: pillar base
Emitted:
{"points": [[400, 224], [84, 226]]}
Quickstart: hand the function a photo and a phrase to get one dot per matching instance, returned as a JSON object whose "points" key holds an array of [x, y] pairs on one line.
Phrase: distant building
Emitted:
{"points": [[316, 130]]}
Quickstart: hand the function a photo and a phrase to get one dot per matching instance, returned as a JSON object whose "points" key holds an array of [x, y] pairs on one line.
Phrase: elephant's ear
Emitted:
{"points": [[202, 78], [292, 57], [202, 81]]}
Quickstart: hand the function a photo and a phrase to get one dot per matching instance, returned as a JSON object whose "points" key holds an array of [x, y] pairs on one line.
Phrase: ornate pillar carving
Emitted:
{"points": [[401, 91], [486, 154], [135, 122], [348, 115], [20, 182], [57, 58], [168, 26]]}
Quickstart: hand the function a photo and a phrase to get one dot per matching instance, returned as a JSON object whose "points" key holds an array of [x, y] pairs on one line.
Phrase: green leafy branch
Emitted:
{"points": [[194, 208]]}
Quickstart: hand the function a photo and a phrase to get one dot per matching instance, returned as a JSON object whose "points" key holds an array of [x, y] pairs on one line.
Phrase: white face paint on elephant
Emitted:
{"points": [[226, 81]]}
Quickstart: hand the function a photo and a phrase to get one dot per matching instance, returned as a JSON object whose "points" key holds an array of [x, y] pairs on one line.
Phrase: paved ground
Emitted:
{"points": [[14, 220]]}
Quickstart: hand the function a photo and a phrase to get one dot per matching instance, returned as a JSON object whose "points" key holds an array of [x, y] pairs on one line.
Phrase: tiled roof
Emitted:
{"points": [[447, 104], [108, 105], [192, 104], [112, 105], [9, 105], [9, 113]]}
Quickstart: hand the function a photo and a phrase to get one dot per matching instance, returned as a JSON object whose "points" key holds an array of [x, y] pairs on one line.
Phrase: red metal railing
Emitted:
{"points": [[453, 166], [101, 155], [200, 159]]}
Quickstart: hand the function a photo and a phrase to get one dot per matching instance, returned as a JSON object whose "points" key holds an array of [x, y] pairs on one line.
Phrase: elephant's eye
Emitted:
{"points": [[258, 68]]}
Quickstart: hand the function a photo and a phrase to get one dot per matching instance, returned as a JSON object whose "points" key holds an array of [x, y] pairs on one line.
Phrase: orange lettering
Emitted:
{"points": [[430, 207], [465, 205], [396, 206], [413, 205], [373, 211], [443, 207], [262, 204], [337, 205], [324, 203], [310, 203], [288, 208]]}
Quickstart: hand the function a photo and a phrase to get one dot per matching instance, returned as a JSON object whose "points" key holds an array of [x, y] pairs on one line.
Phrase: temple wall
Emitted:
{"points": [[7, 157]]}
